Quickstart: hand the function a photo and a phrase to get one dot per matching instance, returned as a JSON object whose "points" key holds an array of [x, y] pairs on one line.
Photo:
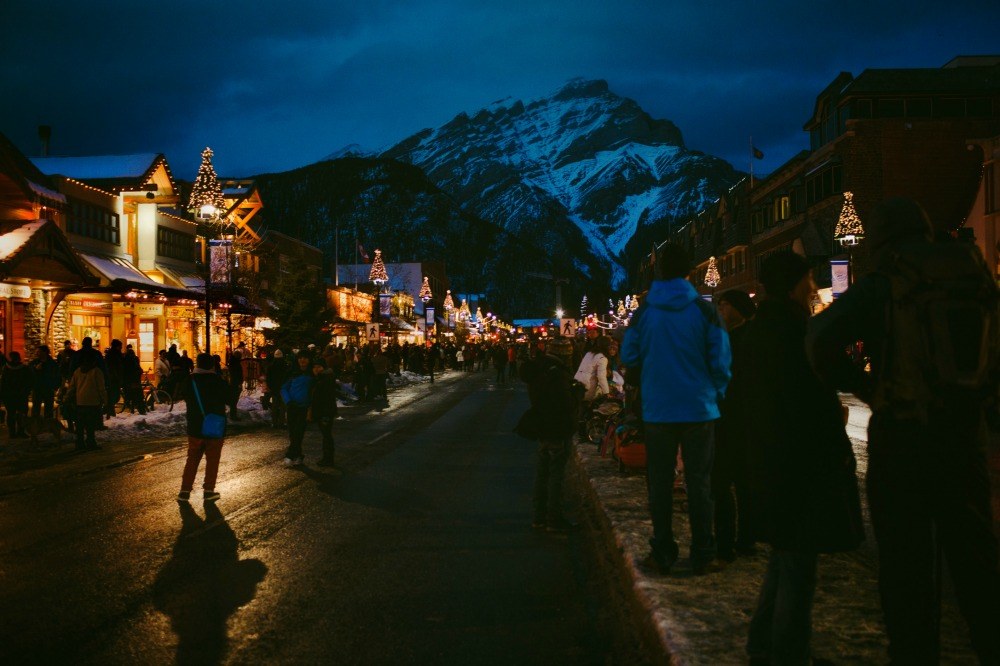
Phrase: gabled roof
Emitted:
{"points": [[34, 185], [44, 236], [112, 172]]}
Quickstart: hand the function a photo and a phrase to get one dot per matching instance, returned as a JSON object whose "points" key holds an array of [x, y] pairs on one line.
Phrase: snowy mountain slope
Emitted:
{"points": [[590, 166]]}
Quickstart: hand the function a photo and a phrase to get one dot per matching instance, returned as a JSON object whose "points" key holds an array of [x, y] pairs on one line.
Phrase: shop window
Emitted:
{"points": [[174, 244], [949, 107], [91, 221], [918, 108], [862, 108]]}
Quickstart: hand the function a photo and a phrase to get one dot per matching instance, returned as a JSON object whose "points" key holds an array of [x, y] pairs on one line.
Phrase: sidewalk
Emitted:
{"points": [[704, 620]]}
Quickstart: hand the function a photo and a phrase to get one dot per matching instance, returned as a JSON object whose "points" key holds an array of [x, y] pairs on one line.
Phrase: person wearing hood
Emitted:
{"points": [[88, 393], [928, 483], [678, 345], [277, 373], [324, 407], [297, 394]]}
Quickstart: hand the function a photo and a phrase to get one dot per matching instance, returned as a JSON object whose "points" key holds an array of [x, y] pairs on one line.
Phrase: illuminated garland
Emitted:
{"points": [[206, 190], [425, 291], [712, 276], [849, 229], [378, 274]]}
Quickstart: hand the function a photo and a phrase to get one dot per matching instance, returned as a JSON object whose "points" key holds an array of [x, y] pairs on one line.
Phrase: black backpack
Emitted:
{"points": [[942, 328]]}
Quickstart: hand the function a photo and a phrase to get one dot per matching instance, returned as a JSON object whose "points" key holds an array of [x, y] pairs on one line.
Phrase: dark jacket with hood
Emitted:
{"points": [[553, 402], [324, 398], [214, 394], [802, 465], [679, 343]]}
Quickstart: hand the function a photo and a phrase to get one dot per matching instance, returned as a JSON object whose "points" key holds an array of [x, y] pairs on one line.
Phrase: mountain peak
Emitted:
{"points": [[580, 87], [350, 150]]}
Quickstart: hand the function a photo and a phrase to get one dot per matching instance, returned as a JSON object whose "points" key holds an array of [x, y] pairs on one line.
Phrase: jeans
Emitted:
{"points": [[326, 430], [277, 410], [782, 624], [198, 447], [552, 456], [697, 445], [296, 430]]}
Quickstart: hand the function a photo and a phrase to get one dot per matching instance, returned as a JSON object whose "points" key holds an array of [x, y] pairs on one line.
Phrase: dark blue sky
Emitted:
{"points": [[272, 86]]}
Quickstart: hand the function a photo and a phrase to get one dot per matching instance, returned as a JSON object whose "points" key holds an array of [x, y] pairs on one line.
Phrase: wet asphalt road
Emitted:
{"points": [[417, 549]]}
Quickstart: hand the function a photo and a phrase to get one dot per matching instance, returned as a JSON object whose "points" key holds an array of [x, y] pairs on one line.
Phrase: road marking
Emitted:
{"points": [[380, 437]]}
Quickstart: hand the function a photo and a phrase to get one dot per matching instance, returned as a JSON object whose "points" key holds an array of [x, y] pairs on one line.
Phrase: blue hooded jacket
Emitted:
{"points": [[682, 348]]}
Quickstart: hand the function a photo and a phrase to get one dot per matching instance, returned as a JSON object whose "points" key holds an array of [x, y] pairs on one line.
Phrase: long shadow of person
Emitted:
{"points": [[203, 583], [369, 491]]}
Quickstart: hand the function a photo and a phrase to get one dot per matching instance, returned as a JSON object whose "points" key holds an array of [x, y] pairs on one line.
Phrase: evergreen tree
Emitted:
{"points": [[300, 311], [206, 189]]}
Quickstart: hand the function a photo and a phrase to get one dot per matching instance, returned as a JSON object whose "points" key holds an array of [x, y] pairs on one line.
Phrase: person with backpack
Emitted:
{"points": [[550, 421], [802, 482], [928, 317], [88, 393], [679, 348], [206, 397]]}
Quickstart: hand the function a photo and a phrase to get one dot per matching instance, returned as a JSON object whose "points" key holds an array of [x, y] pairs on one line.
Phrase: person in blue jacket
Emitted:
{"points": [[678, 345], [297, 394]]}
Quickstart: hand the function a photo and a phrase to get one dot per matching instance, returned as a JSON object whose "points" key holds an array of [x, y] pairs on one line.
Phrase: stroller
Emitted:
{"points": [[604, 410], [622, 436]]}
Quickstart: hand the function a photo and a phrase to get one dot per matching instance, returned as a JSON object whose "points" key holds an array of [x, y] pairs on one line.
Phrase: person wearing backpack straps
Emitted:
{"points": [[928, 317], [206, 397]]}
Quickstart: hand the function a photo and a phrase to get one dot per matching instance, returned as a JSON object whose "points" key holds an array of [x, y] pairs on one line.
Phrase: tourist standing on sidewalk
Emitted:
{"points": [[132, 381], [380, 374], [115, 364], [324, 407], [88, 393], [730, 477], [803, 486], [928, 484], [46, 376], [235, 367], [678, 344], [15, 386], [593, 374], [500, 363], [206, 393], [65, 360], [297, 394], [162, 370], [275, 376], [550, 421]]}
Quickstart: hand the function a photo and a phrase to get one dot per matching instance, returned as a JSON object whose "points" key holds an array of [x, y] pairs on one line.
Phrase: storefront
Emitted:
{"points": [[15, 299]]}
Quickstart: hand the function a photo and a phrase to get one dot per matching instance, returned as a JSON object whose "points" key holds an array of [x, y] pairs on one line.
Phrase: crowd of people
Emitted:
{"points": [[745, 393]]}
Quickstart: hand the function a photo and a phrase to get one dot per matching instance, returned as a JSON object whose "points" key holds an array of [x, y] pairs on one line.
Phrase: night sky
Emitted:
{"points": [[271, 86]]}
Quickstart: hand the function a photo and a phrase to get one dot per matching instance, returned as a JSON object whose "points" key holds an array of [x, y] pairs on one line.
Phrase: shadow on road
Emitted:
{"points": [[368, 491], [203, 584]]}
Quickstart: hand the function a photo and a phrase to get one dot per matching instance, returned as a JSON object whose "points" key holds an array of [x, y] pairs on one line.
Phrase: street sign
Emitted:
{"points": [[371, 332], [567, 327]]}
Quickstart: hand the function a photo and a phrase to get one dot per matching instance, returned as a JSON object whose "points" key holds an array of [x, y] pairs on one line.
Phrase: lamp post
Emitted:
{"points": [[207, 203], [425, 296], [849, 231]]}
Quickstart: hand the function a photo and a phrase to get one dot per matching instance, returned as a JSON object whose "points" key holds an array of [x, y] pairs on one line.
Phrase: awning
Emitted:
{"points": [[185, 279], [122, 275], [401, 324]]}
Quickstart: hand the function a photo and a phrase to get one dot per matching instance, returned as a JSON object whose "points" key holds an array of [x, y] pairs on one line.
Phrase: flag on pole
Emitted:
{"points": [[757, 152], [361, 251]]}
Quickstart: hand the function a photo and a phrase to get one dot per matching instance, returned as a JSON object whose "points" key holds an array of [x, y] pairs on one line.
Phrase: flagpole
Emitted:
{"points": [[355, 255], [336, 253], [751, 162]]}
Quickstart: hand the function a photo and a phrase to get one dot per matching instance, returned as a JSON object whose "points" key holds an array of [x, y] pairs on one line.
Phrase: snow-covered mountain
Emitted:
{"points": [[350, 150], [581, 171]]}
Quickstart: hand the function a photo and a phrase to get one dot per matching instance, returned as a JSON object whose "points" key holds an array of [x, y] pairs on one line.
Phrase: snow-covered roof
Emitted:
{"points": [[46, 192], [97, 167], [118, 268], [186, 279], [12, 241]]}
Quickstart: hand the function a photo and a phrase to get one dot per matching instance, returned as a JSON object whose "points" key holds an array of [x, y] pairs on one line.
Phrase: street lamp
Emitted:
{"points": [[379, 277], [207, 202], [425, 296], [849, 231]]}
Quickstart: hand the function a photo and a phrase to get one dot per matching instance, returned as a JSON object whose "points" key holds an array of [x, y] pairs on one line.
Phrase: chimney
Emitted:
{"points": [[44, 133]]}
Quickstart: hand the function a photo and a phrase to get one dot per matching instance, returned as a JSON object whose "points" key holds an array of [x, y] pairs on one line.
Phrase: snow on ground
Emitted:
{"points": [[704, 620]]}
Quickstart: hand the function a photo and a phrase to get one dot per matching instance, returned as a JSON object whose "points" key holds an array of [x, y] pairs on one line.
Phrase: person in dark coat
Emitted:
{"points": [[47, 378], [297, 394], [15, 386], [277, 373], [803, 485], [235, 368], [927, 479], [206, 393], [132, 381], [730, 478], [114, 361], [550, 421], [324, 407]]}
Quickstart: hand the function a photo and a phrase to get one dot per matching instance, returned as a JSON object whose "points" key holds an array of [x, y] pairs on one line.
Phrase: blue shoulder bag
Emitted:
{"points": [[213, 426]]}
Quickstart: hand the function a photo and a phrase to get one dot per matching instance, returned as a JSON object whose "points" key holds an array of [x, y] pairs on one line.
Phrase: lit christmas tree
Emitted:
{"points": [[378, 274], [712, 276], [449, 303], [463, 311], [584, 307], [849, 228], [479, 314], [206, 190], [425, 291]]}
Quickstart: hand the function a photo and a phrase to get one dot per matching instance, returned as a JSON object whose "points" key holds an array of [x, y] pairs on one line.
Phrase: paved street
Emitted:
{"points": [[416, 550]]}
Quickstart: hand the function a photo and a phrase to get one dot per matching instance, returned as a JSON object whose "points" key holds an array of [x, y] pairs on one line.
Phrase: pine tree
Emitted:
{"points": [[300, 311], [206, 189]]}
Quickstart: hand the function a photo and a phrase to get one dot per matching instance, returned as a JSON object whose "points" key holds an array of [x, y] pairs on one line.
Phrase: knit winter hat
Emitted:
{"points": [[740, 300], [278, 354], [782, 271]]}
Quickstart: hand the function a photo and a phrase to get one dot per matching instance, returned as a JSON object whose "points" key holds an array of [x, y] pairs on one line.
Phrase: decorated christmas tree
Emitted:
{"points": [[425, 291], [449, 302], [206, 190], [378, 274], [849, 228], [712, 276]]}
